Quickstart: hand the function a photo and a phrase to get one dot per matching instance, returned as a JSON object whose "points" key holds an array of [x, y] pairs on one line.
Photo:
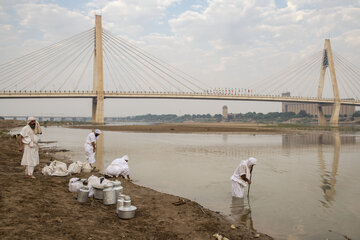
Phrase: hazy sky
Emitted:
{"points": [[225, 43]]}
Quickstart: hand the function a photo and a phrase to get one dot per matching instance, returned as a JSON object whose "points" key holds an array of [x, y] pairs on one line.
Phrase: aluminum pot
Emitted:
{"points": [[118, 188], [126, 212], [83, 194], [98, 191], [109, 194]]}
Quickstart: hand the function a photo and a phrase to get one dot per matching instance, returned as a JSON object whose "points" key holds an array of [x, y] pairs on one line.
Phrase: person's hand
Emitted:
{"points": [[21, 149], [249, 181], [94, 150]]}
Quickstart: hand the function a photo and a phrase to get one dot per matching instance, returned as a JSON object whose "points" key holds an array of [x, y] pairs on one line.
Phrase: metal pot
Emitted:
{"points": [[118, 188], [109, 194], [126, 212], [98, 191], [83, 194]]}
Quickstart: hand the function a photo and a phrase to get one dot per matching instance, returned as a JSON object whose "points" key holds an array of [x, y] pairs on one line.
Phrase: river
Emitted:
{"points": [[305, 186]]}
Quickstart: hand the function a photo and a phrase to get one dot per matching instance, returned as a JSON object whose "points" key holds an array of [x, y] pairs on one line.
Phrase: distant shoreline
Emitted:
{"points": [[228, 127]]}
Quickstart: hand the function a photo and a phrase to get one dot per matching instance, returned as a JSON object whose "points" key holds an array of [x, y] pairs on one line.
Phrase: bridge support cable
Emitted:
{"points": [[91, 57], [122, 75], [41, 52], [125, 70], [35, 69], [144, 65], [136, 68], [56, 67], [292, 79], [161, 67], [351, 75]]}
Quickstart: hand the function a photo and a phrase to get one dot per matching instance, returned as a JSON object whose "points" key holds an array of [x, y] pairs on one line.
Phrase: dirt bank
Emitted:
{"points": [[42, 208]]}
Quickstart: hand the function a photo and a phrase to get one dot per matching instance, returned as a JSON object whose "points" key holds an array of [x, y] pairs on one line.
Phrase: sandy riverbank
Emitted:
{"points": [[42, 208]]}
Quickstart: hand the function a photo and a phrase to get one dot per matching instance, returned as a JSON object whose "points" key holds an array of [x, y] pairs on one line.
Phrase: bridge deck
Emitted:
{"points": [[199, 96]]}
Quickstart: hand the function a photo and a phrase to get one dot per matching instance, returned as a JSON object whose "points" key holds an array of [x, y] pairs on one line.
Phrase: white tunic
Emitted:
{"points": [[88, 147], [31, 148], [118, 167], [237, 183]]}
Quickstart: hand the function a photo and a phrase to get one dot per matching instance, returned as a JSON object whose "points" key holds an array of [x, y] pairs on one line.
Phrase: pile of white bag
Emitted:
{"points": [[57, 168], [76, 183]]}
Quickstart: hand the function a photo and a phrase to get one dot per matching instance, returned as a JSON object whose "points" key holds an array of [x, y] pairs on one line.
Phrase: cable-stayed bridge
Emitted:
{"points": [[97, 64]]}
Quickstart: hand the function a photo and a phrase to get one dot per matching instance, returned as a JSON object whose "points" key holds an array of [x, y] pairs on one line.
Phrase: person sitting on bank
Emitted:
{"points": [[119, 167], [241, 177], [90, 146], [28, 144]]}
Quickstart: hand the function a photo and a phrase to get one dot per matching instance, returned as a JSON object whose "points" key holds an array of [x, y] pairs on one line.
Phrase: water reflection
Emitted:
{"points": [[328, 179], [99, 164], [241, 212]]}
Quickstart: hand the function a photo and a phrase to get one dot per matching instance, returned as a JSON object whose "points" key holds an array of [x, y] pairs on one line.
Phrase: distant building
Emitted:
{"points": [[225, 113], [312, 108]]}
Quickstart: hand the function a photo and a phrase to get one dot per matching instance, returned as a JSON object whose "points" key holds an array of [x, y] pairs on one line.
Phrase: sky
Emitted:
{"points": [[224, 43]]}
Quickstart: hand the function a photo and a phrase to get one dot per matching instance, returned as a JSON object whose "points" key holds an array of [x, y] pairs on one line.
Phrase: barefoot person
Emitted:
{"points": [[90, 146], [28, 144], [241, 177], [119, 167]]}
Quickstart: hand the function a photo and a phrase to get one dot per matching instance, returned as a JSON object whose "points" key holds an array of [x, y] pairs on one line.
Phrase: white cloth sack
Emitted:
{"points": [[75, 167], [56, 168], [86, 167], [75, 184], [95, 181], [47, 171]]}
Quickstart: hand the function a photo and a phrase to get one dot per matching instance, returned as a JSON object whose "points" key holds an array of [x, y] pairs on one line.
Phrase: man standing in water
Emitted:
{"points": [[28, 144], [241, 177], [90, 146]]}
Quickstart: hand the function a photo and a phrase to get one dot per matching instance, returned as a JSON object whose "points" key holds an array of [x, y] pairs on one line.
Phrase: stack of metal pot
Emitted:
{"points": [[124, 209], [109, 194], [118, 188], [98, 191]]}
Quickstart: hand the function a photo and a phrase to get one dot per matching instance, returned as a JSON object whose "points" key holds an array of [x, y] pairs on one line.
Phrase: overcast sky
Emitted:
{"points": [[225, 43]]}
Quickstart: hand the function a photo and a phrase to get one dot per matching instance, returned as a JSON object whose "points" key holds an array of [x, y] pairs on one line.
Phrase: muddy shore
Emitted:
{"points": [[43, 208], [226, 127]]}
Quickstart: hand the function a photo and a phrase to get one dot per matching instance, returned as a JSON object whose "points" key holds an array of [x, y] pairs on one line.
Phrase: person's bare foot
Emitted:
{"points": [[31, 176]]}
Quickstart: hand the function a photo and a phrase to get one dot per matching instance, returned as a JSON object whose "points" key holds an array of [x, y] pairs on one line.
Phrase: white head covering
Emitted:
{"points": [[126, 157], [97, 131], [252, 161], [31, 119]]}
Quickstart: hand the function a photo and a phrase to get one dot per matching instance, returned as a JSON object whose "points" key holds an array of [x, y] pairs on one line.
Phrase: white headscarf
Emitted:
{"points": [[30, 119], [97, 131], [251, 161], [126, 157]]}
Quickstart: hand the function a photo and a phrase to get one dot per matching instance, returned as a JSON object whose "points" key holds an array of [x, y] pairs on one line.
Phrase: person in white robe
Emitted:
{"points": [[119, 167], [90, 146], [28, 144], [241, 177]]}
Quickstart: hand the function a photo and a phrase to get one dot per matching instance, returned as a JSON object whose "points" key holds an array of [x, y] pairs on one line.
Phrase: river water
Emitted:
{"points": [[304, 186]]}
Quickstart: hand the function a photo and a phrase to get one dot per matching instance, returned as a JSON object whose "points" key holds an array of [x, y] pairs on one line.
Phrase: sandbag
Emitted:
{"points": [[75, 184], [47, 171], [86, 167], [92, 180], [60, 168], [75, 167]]}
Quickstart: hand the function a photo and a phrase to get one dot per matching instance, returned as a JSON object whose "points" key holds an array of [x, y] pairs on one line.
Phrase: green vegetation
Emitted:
{"points": [[302, 118]]}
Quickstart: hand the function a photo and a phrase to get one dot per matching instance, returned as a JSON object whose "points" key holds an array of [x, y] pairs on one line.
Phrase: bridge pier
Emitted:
{"points": [[321, 116], [328, 61], [98, 77]]}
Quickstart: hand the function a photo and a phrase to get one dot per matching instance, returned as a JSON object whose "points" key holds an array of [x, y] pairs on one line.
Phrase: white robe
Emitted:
{"points": [[118, 167], [89, 150], [237, 184], [31, 148]]}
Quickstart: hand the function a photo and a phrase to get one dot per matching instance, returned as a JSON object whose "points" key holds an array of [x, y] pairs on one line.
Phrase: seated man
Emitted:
{"points": [[119, 167]]}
